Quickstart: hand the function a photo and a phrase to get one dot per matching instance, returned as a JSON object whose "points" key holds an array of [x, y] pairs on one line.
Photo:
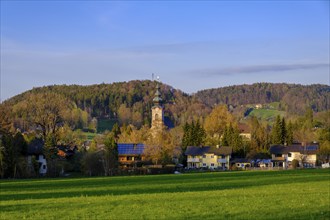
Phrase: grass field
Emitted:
{"points": [[292, 194], [267, 114]]}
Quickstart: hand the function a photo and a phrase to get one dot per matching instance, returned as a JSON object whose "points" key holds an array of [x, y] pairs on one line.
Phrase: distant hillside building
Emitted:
{"points": [[244, 131]]}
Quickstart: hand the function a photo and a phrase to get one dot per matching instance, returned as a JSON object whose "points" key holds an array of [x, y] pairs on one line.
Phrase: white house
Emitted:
{"points": [[35, 151], [282, 156], [208, 157]]}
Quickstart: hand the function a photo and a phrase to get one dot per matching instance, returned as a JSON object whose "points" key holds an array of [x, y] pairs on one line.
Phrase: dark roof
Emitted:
{"points": [[261, 161], [35, 147], [194, 151], [280, 149], [221, 150], [240, 160], [130, 149]]}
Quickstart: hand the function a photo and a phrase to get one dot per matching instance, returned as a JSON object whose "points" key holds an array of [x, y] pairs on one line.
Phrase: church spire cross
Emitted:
{"points": [[157, 100]]}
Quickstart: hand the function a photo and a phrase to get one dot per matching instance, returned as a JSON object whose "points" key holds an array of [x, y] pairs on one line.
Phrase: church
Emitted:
{"points": [[157, 112], [130, 154]]}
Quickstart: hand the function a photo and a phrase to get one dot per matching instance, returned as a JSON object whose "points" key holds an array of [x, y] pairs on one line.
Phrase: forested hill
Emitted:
{"points": [[293, 98], [131, 101]]}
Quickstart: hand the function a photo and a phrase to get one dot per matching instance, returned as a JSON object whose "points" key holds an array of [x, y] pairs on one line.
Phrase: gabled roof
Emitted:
{"points": [[35, 147], [221, 150], [194, 151], [240, 160], [281, 149], [130, 149]]}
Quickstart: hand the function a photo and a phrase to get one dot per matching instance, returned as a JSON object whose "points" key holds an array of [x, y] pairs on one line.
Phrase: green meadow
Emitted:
{"points": [[291, 194], [267, 114]]}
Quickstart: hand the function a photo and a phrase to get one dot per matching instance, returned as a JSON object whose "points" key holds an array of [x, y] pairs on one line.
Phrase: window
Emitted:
{"points": [[278, 155], [212, 164], [44, 167], [204, 164], [204, 156], [212, 156], [289, 155]]}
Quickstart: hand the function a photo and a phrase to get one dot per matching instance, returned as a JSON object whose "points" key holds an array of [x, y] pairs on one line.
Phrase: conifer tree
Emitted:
{"points": [[279, 132], [186, 136], [283, 131], [225, 137], [276, 131], [289, 134], [194, 135]]}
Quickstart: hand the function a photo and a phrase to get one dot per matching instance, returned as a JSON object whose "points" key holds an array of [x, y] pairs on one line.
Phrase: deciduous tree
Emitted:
{"points": [[216, 122]]}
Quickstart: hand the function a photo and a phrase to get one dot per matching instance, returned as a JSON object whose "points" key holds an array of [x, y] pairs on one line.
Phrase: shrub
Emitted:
{"points": [[295, 163]]}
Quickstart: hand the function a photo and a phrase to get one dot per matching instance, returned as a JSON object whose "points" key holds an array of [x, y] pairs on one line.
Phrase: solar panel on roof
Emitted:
{"points": [[130, 148], [311, 147]]}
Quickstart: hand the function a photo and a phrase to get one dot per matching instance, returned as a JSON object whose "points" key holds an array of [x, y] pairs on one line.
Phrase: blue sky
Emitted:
{"points": [[190, 45]]}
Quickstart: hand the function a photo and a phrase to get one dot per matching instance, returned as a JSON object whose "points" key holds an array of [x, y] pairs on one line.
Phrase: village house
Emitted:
{"points": [[35, 153], [208, 157], [282, 156], [130, 155], [262, 163], [244, 131]]}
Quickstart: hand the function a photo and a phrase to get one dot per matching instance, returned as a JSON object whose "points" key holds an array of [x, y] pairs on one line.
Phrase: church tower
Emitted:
{"points": [[157, 111]]}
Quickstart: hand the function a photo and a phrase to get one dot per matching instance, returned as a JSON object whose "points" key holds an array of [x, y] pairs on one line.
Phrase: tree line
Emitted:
{"points": [[58, 114], [130, 102], [293, 98]]}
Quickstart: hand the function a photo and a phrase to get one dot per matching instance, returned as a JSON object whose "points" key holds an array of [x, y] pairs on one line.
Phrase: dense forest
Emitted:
{"points": [[130, 102], [293, 98]]}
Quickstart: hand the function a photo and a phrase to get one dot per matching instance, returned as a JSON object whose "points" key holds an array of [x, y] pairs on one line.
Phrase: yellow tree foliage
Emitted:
{"points": [[5, 118], [131, 134], [124, 114], [216, 122], [162, 147], [47, 111]]}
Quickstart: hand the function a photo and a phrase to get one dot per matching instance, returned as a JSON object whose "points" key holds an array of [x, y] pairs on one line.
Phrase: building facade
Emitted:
{"points": [[130, 155], [282, 156], [208, 157]]}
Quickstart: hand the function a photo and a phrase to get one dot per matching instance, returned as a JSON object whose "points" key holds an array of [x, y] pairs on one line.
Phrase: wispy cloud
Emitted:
{"points": [[259, 69]]}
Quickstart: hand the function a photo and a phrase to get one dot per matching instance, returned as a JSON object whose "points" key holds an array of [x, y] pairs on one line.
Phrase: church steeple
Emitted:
{"points": [[157, 100], [157, 111]]}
